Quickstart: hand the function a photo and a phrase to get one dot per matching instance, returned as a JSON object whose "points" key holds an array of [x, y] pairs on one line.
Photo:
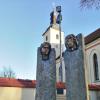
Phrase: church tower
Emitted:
{"points": [[53, 36]]}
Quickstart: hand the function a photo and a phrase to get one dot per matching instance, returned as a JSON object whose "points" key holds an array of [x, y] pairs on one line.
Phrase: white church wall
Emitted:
{"points": [[53, 34], [91, 48]]}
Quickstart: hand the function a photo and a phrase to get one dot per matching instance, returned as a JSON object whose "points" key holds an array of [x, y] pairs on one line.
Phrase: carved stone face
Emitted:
{"points": [[71, 42], [45, 50]]}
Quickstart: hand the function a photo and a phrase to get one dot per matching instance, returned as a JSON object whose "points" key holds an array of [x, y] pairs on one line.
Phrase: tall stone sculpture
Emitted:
{"points": [[46, 73], [76, 88]]}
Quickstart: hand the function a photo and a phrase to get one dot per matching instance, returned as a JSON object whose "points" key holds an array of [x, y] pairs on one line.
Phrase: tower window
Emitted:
{"points": [[57, 36], [95, 64], [46, 38]]}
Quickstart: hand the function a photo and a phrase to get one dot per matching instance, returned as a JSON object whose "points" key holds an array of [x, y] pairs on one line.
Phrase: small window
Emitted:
{"points": [[46, 38], [57, 36], [60, 91], [95, 64]]}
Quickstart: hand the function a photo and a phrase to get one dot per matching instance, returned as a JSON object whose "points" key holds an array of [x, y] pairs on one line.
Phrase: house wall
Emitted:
{"points": [[16, 93], [94, 95]]}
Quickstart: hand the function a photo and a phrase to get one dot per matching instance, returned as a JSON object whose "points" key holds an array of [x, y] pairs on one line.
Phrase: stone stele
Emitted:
{"points": [[76, 88], [46, 77]]}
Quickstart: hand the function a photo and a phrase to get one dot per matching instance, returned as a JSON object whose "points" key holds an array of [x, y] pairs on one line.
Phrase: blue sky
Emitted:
{"points": [[22, 23]]}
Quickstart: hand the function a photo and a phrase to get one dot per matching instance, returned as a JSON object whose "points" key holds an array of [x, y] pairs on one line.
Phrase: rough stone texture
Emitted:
{"points": [[75, 73], [46, 77]]}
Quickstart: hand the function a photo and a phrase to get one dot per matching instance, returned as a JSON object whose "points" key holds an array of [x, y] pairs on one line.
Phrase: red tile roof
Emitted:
{"points": [[92, 36], [94, 87], [10, 82]]}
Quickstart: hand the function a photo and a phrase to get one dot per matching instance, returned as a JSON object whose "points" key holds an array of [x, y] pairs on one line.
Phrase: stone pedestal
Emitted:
{"points": [[46, 77], [76, 88]]}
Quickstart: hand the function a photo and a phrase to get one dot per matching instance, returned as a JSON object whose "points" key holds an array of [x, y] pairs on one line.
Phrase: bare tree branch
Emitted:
{"points": [[90, 4]]}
